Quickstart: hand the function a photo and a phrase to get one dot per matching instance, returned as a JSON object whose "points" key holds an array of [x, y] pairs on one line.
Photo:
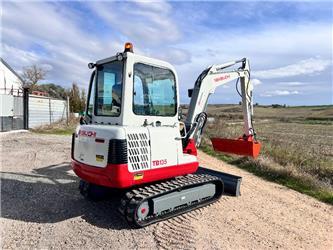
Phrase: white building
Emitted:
{"points": [[10, 81]]}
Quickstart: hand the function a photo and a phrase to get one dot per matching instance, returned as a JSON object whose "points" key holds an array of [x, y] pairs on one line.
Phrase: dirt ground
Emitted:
{"points": [[42, 208]]}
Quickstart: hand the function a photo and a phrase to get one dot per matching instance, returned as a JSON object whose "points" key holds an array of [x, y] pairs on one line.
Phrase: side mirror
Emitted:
{"points": [[182, 127], [180, 114], [189, 92]]}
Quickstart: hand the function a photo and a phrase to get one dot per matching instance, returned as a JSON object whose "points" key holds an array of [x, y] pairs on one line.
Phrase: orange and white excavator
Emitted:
{"points": [[132, 138]]}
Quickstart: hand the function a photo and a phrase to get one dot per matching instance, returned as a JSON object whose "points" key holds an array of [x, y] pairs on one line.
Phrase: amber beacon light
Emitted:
{"points": [[128, 47]]}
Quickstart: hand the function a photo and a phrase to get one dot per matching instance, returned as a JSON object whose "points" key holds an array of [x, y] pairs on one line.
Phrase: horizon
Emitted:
{"points": [[289, 65]]}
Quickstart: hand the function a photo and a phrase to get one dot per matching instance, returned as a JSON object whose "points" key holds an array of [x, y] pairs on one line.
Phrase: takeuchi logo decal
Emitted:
{"points": [[221, 78], [87, 133]]}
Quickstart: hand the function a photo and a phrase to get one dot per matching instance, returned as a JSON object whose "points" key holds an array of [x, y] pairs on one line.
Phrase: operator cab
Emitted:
{"points": [[131, 118], [133, 90]]}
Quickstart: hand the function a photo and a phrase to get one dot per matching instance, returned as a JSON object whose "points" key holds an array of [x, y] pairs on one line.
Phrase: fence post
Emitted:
{"points": [[50, 111], [67, 110], [26, 108]]}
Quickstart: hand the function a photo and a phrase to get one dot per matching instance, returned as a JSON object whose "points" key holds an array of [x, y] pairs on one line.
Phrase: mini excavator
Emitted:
{"points": [[132, 137]]}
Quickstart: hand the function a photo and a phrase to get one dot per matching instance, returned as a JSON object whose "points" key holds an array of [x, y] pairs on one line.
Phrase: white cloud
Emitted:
{"points": [[265, 47], [64, 47], [304, 67], [66, 38], [292, 83], [173, 55], [160, 6], [57, 43], [145, 23], [279, 93], [256, 82], [46, 67], [19, 56]]}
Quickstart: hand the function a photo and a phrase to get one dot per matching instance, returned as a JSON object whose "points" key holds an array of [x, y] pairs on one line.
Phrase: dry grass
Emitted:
{"points": [[294, 152], [59, 128]]}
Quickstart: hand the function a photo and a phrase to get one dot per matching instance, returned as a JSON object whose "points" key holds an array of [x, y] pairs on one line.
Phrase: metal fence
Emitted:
{"points": [[11, 112], [45, 110], [21, 112]]}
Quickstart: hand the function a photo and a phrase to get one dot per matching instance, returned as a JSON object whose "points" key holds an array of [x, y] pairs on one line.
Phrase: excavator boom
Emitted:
{"points": [[205, 85]]}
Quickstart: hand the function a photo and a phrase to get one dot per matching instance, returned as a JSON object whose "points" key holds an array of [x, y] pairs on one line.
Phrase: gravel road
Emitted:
{"points": [[42, 208]]}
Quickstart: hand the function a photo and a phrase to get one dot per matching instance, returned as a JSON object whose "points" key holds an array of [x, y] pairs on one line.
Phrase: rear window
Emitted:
{"points": [[109, 89]]}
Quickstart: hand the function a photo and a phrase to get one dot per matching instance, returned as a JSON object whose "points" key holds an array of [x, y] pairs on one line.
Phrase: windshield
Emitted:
{"points": [[154, 91], [109, 89]]}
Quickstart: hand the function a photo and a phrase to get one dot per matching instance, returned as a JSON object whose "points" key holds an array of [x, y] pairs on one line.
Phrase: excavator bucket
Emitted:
{"points": [[238, 146]]}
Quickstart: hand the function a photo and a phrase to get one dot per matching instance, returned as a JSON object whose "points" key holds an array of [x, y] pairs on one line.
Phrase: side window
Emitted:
{"points": [[154, 91], [91, 97], [138, 95]]}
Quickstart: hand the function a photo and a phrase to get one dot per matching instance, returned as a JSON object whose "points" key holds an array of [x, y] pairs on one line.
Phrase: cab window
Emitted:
{"points": [[154, 91]]}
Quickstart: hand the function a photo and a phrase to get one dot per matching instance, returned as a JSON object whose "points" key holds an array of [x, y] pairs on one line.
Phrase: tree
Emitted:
{"points": [[83, 99], [32, 75], [77, 99], [53, 90]]}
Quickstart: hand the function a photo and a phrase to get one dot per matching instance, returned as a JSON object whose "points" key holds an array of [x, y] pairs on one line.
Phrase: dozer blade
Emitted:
{"points": [[231, 183], [237, 146]]}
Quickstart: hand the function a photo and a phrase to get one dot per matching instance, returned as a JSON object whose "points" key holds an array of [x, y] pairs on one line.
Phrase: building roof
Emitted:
{"points": [[11, 69]]}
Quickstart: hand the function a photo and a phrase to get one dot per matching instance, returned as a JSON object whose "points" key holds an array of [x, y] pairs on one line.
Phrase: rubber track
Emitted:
{"points": [[132, 199]]}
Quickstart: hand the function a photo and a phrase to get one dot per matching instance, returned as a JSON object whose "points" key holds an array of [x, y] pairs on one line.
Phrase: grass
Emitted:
{"points": [[65, 131], [270, 171], [295, 152], [58, 128]]}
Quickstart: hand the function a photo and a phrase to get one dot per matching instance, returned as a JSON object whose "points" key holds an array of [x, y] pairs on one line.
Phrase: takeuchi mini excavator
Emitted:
{"points": [[132, 137]]}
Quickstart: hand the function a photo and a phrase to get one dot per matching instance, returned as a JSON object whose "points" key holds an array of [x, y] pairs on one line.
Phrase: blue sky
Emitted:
{"points": [[289, 44]]}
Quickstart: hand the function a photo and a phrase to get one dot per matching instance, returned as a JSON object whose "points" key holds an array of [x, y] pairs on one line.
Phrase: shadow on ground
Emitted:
{"points": [[50, 194]]}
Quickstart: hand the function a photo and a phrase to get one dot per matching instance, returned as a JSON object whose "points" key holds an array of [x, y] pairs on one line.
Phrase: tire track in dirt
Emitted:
{"points": [[38, 212], [179, 232]]}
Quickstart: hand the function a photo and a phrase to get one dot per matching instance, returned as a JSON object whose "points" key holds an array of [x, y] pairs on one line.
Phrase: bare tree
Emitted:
{"points": [[32, 75]]}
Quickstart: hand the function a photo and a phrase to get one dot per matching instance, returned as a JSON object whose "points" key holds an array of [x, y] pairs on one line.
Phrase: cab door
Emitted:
{"points": [[154, 105]]}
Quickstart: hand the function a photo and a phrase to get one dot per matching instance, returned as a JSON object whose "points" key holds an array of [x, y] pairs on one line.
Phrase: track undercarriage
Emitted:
{"points": [[151, 203]]}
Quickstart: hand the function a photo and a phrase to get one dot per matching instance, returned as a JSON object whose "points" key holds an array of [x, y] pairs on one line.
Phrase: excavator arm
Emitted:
{"points": [[205, 85]]}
